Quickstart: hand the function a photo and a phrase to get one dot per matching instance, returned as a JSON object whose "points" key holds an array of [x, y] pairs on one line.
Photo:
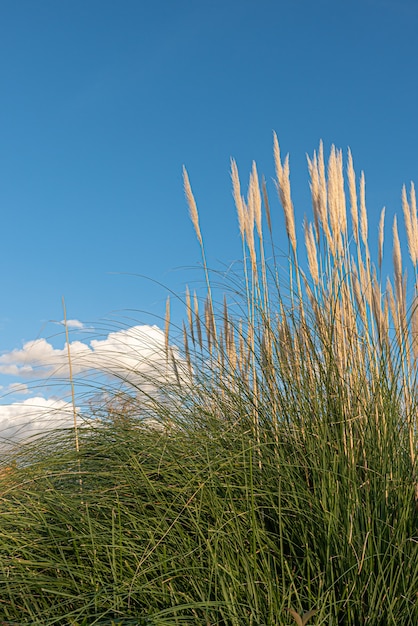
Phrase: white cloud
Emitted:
{"points": [[132, 353], [18, 388], [73, 324], [135, 355], [38, 358], [33, 416]]}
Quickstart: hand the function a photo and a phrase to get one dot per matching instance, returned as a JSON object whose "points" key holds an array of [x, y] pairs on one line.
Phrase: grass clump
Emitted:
{"points": [[276, 482]]}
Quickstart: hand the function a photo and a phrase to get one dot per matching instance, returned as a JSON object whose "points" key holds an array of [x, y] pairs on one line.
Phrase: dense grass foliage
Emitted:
{"points": [[276, 481]]}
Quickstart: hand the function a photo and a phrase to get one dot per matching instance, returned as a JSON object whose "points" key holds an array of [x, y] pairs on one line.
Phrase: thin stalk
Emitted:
{"points": [[70, 370]]}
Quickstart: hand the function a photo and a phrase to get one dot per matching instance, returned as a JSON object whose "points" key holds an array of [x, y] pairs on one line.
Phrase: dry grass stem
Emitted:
{"points": [[189, 312], [187, 352], [167, 328], [197, 320], [71, 378]]}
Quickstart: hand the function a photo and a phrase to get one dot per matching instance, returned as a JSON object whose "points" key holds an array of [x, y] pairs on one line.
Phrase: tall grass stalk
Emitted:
{"points": [[71, 380], [280, 485]]}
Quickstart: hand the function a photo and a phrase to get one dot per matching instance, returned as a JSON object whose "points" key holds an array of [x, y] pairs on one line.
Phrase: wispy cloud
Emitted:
{"points": [[18, 388], [76, 324]]}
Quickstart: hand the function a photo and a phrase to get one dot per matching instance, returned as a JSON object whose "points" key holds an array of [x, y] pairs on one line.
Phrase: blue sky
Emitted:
{"points": [[104, 101]]}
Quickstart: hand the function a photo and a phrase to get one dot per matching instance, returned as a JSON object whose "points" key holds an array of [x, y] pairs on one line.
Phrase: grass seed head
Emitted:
{"points": [[194, 216], [381, 239], [283, 186]]}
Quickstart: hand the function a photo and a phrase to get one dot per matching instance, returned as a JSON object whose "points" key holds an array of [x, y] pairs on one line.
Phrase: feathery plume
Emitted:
{"points": [[323, 192], [283, 186], [353, 195], [391, 300], [314, 185], [377, 308], [381, 239], [320, 195], [192, 205], [397, 262], [341, 194], [411, 223], [414, 326], [333, 199], [414, 218], [357, 291], [267, 205], [236, 187], [256, 199], [365, 280], [363, 211], [311, 252], [249, 220]]}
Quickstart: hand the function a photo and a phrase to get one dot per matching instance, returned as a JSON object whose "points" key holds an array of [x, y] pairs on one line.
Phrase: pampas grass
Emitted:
{"points": [[281, 482]]}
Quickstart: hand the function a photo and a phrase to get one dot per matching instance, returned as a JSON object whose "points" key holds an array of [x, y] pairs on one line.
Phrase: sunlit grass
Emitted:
{"points": [[273, 481]]}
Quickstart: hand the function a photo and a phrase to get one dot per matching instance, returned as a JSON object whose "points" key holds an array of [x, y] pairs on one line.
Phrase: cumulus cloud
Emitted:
{"points": [[21, 420], [38, 358], [136, 354]]}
